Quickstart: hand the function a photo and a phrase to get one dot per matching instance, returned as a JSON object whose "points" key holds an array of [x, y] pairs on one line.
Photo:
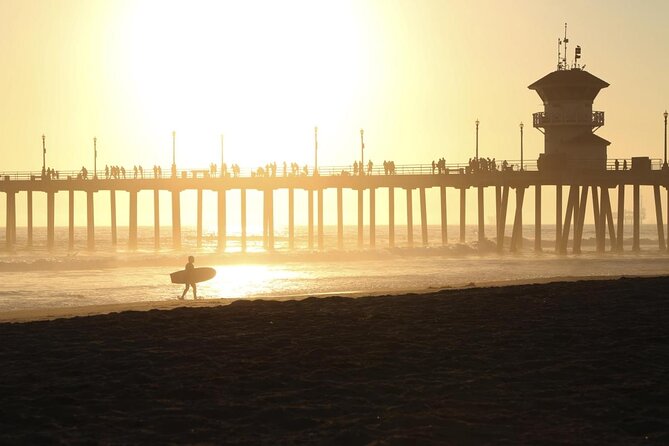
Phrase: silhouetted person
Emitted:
{"points": [[617, 164], [624, 164], [189, 281]]}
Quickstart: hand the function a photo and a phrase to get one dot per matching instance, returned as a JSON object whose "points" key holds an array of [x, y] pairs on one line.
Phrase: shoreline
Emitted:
{"points": [[47, 314]]}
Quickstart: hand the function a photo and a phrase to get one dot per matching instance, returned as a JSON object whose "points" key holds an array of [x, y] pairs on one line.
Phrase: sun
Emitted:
{"points": [[263, 73]]}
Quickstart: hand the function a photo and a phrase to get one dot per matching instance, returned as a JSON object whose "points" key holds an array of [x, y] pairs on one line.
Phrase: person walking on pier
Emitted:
{"points": [[370, 165], [190, 267]]}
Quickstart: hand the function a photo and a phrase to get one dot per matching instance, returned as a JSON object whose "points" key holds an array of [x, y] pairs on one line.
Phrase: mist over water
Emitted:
{"points": [[38, 278]]}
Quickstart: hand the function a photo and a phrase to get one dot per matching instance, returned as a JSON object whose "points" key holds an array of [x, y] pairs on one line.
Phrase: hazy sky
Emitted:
{"points": [[415, 74]]}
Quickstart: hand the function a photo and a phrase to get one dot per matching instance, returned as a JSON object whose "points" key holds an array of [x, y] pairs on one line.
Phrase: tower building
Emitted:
{"points": [[568, 121]]}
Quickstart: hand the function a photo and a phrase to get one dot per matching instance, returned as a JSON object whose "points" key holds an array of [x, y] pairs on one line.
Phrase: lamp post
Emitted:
{"points": [[521, 146], [477, 138], [316, 150], [95, 158], [44, 154], [174, 154], [665, 139], [362, 152]]}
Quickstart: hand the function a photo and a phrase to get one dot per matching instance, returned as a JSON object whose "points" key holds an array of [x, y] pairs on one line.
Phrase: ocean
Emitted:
{"points": [[36, 278]]}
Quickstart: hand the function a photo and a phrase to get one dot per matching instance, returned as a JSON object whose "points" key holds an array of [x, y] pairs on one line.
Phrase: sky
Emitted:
{"points": [[414, 74]]}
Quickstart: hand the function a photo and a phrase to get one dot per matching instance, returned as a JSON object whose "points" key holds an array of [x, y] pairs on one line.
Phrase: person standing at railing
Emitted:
{"points": [[370, 166]]}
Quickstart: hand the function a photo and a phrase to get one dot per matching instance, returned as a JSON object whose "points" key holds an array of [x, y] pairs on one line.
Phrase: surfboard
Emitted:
{"points": [[198, 275]]}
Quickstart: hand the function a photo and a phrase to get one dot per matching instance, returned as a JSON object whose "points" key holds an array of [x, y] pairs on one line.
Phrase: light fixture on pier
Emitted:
{"points": [[521, 146], [316, 150], [361, 170], [477, 138], [44, 153]]}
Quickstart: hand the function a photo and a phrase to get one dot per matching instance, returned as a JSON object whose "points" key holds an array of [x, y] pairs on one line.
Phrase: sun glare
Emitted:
{"points": [[260, 72]]}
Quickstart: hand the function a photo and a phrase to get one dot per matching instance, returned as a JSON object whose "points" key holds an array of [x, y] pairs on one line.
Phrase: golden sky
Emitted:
{"points": [[415, 74]]}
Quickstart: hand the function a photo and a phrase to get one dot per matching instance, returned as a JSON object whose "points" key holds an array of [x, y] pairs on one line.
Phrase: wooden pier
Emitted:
{"points": [[584, 190]]}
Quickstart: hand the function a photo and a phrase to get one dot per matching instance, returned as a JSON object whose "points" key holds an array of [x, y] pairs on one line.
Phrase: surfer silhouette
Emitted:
{"points": [[189, 278]]}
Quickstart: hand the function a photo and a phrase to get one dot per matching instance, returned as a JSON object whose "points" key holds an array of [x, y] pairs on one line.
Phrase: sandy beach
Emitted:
{"points": [[583, 362]]}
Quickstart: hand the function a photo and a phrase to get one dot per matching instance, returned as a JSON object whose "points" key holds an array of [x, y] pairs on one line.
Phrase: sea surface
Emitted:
{"points": [[37, 278]]}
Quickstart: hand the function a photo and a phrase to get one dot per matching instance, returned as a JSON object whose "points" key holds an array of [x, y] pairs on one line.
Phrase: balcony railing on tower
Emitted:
{"points": [[541, 119]]}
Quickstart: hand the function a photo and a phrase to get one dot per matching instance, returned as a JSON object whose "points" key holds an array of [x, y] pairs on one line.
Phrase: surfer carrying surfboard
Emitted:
{"points": [[190, 282]]}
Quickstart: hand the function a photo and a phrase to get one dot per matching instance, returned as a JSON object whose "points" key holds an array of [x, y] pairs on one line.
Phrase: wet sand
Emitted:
{"points": [[583, 362]]}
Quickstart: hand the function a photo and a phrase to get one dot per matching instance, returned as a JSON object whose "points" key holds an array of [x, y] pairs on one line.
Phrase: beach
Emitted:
{"points": [[582, 362]]}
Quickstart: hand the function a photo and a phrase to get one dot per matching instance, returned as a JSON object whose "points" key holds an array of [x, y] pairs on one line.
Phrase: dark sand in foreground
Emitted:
{"points": [[563, 363]]}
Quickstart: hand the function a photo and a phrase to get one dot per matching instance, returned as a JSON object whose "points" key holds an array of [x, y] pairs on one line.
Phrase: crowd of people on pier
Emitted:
{"points": [[49, 174], [114, 172]]}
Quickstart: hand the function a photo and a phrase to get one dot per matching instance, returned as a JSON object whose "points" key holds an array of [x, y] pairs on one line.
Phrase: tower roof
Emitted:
{"points": [[568, 84]]}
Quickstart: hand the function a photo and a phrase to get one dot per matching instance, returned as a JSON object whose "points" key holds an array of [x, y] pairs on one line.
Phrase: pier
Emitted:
{"points": [[585, 191]]}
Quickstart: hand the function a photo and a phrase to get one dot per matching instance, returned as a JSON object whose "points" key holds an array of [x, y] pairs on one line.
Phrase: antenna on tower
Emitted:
{"points": [[566, 41]]}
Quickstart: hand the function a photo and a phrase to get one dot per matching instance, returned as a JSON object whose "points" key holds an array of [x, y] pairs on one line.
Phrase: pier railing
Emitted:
{"points": [[341, 170]]}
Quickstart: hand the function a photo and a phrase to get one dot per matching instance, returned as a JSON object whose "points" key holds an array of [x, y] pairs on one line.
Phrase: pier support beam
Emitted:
{"points": [[578, 225], [50, 219], [360, 218], [156, 219], [199, 219], [572, 205], [30, 219], [463, 197], [10, 225], [265, 220], [600, 243], [658, 217], [481, 217], [607, 217], [310, 217], [636, 219], [423, 216], [391, 217], [270, 219], [132, 224], [537, 218], [372, 217], [222, 221], [70, 220], [291, 218], [320, 220], [501, 218], [444, 216], [112, 203], [340, 219], [498, 209], [410, 218], [242, 241], [90, 221], [517, 232], [558, 217], [620, 237]]}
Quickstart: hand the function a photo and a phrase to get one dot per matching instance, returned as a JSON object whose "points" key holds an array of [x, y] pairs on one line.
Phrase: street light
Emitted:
{"points": [[477, 138], [362, 152], [315, 150], [174, 154], [665, 139], [521, 146], [44, 154]]}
